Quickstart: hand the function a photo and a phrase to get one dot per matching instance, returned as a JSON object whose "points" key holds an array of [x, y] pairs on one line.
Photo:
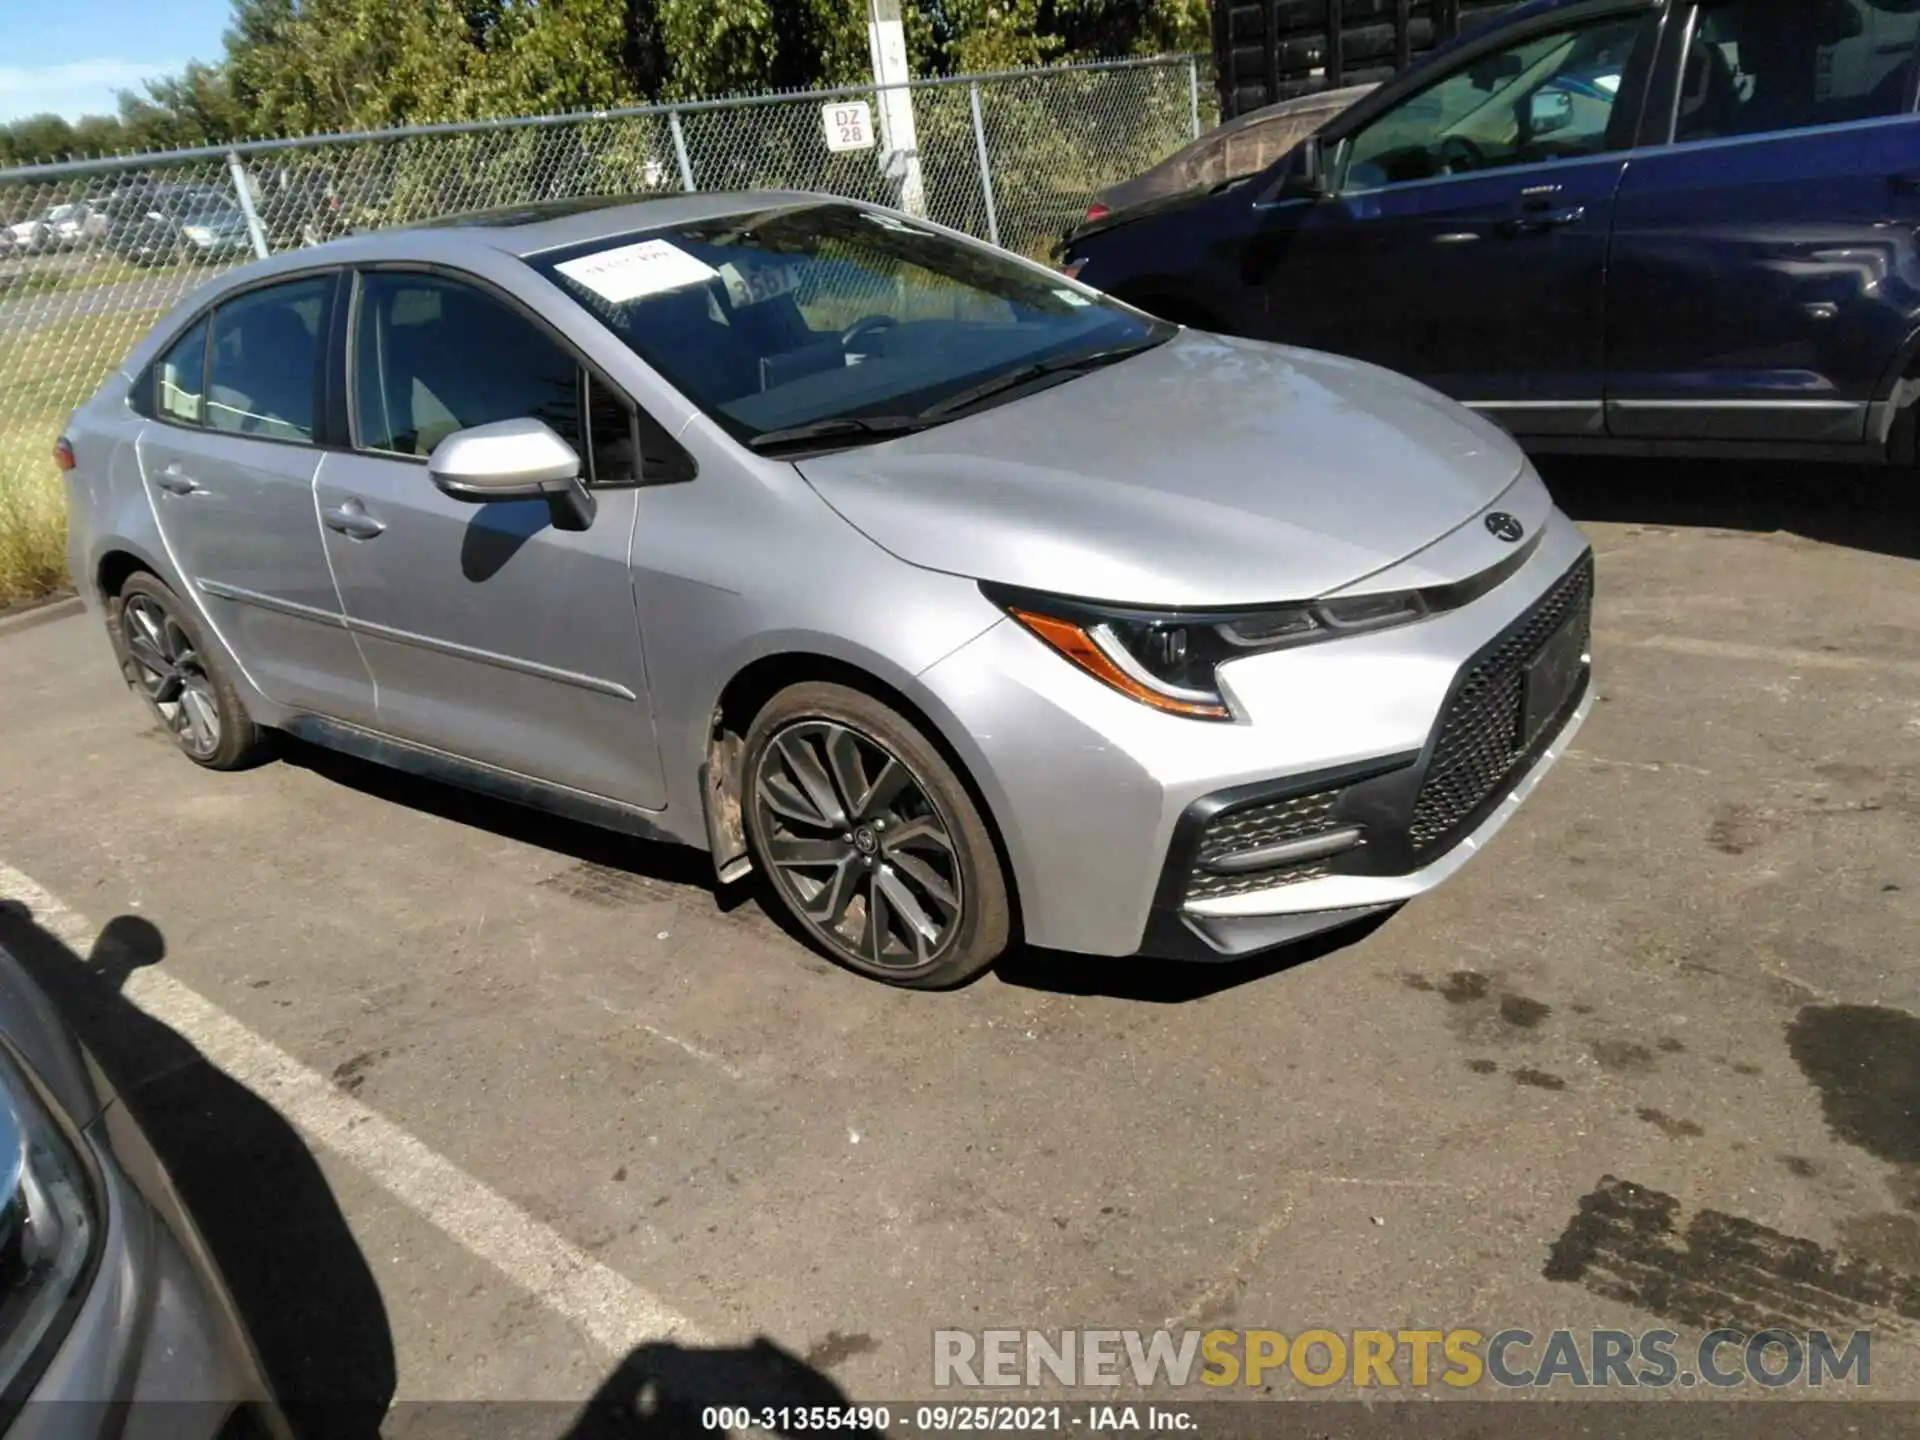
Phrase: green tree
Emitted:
{"points": [[556, 55]]}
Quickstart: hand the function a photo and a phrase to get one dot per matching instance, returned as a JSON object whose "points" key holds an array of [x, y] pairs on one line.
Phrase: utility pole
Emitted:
{"points": [[899, 145]]}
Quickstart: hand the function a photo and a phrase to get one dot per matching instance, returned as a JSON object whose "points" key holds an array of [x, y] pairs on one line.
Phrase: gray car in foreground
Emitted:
{"points": [[964, 602], [114, 1319]]}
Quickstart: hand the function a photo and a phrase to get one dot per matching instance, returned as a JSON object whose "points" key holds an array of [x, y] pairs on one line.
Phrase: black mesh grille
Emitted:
{"points": [[1257, 825], [1480, 743]]}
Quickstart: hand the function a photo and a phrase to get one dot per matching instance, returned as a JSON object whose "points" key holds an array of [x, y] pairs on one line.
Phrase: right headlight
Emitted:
{"points": [[1169, 659], [48, 1227]]}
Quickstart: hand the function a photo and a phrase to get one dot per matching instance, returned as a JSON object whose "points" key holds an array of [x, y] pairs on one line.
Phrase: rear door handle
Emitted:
{"points": [[350, 518], [1905, 182], [176, 481]]}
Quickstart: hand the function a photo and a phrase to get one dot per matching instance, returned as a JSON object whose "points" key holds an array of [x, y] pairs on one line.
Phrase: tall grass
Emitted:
{"points": [[43, 374]]}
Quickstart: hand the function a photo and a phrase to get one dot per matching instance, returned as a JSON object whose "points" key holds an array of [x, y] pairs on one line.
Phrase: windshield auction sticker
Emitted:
{"points": [[629, 272]]}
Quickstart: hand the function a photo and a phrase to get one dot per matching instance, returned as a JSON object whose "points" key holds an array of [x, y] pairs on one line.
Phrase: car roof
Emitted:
{"points": [[525, 230], [520, 231]]}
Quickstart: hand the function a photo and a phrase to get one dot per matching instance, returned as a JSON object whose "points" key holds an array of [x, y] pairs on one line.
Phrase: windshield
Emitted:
{"points": [[812, 314]]}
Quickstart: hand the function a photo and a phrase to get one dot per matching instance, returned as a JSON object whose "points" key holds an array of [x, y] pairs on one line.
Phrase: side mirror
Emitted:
{"points": [[1548, 110], [514, 460], [1303, 174]]}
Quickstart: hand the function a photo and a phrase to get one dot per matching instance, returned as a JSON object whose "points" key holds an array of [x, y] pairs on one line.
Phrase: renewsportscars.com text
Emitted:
{"points": [[1394, 1359]]}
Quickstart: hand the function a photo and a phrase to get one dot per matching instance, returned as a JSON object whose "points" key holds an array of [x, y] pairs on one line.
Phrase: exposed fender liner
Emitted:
{"points": [[1894, 417], [720, 789]]}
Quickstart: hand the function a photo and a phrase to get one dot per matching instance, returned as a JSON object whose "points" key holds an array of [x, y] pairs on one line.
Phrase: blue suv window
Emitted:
{"points": [[1550, 97], [1757, 66]]}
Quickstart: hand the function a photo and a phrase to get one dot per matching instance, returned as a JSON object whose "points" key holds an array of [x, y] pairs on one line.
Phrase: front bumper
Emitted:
{"points": [[1105, 806]]}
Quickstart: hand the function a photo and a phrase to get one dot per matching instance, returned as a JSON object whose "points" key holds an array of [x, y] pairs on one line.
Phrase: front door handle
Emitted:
{"points": [[1905, 182], [1536, 222], [176, 481], [350, 518]]}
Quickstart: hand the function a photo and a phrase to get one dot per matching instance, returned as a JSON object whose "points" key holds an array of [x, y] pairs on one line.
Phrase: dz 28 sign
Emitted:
{"points": [[849, 125]]}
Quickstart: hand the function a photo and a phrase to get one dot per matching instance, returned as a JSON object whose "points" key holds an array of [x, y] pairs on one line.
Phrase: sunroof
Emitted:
{"points": [[506, 216]]}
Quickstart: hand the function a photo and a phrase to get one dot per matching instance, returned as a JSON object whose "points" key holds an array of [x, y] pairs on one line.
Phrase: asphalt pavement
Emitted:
{"points": [[476, 1103]]}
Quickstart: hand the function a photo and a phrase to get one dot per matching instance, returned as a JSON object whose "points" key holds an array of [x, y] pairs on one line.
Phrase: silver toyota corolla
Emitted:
{"points": [[964, 602]]}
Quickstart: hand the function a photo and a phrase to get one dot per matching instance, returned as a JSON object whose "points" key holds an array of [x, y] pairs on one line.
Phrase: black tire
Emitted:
{"points": [[165, 658], [914, 834]]}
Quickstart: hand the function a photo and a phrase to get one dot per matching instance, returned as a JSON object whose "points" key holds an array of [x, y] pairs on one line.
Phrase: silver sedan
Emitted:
{"points": [[961, 601]]}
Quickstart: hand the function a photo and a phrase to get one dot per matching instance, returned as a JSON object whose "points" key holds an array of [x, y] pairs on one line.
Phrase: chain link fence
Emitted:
{"points": [[93, 252]]}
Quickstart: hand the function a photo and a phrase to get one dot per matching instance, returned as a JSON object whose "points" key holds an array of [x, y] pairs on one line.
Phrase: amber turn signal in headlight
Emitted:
{"points": [[1100, 655]]}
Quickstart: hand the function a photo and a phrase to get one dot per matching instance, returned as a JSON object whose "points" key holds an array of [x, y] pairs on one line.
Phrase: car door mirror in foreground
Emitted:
{"points": [[514, 460]]}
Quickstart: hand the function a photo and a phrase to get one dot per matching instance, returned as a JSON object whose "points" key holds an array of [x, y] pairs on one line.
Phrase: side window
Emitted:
{"points": [[628, 446], [264, 363], [1762, 65], [1547, 98], [613, 439], [180, 378], [432, 356]]}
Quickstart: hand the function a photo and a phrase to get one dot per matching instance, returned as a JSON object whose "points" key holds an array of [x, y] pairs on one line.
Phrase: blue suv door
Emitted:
{"points": [[1465, 241], [1764, 265]]}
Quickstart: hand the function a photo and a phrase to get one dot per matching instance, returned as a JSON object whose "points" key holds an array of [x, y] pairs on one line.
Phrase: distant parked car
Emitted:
{"points": [[171, 224], [1245, 145], [955, 598], [28, 236], [110, 1292], [299, 207], [75, 225], [1689, 226]]}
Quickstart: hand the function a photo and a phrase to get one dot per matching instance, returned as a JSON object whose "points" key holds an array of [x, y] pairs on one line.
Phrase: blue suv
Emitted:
{"points": [[1685, 226]]}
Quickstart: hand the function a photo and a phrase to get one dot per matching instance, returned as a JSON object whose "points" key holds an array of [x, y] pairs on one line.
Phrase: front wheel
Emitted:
{"points": [[871, 841]]}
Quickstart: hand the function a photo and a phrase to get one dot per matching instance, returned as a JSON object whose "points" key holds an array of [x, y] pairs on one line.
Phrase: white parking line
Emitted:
{"points": [[609, 1308]]}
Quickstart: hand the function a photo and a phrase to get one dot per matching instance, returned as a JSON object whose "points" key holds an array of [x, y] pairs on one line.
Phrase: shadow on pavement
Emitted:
{"points": [[249, 1181], [1861, 507], [656, 860], [660, 1391], [1170, 982]]}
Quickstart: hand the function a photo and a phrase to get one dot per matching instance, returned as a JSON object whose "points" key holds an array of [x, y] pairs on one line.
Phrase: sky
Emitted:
{"points": [[72, 56]]}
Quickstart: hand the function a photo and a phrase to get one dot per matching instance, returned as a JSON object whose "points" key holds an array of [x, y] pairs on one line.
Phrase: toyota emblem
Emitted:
{"points": [[1503, 526]]}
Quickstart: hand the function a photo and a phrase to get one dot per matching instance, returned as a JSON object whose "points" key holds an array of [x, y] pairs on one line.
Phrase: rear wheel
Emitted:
{"points": [[871, 841], [164, 656]]}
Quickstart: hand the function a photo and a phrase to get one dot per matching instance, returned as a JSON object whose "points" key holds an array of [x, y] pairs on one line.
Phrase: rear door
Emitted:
{"points": [[490, 634], [1764, 263], [1466, 243], [229, 461]]}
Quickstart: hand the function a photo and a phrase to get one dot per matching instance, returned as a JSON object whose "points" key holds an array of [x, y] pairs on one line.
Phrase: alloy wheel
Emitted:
{"points": [[169, 670], [856, 846]]}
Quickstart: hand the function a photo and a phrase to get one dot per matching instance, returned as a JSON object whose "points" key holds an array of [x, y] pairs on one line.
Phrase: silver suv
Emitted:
{"points": [[962, 601]]}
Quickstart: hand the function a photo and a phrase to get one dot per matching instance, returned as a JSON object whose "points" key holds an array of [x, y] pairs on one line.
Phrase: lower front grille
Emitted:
{"points": [[1480, 742], [1298, 817]]}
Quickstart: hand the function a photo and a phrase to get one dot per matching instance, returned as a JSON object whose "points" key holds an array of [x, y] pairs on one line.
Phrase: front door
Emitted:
{"points": [[1764, 264], [490, 634], [229, 461], [1465, 242]]}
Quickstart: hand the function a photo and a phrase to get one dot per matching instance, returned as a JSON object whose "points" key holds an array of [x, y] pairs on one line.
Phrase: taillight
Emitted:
{"points": [[1097, 211], [63, 453]]}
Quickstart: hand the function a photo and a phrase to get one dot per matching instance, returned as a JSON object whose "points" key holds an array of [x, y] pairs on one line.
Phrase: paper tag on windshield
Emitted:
{"points": [[628, 272], [759, 283], [1072, 297]]}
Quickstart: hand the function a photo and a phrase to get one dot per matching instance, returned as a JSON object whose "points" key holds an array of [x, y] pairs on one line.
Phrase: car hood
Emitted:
{"points": [[1208, 471]]}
